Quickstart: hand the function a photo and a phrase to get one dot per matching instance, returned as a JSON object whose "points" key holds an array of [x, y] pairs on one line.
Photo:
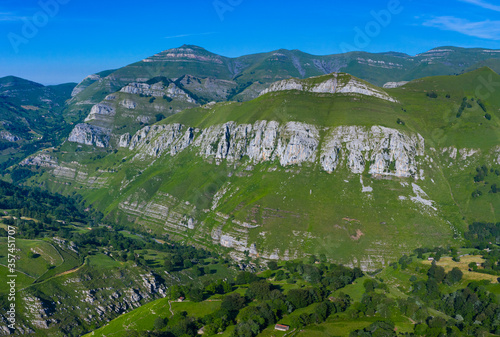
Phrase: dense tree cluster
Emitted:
{"points": [[480, 177], [481, 104], [331, 276], [482, 173], [42, 205], [178, 325], [480, 234]]}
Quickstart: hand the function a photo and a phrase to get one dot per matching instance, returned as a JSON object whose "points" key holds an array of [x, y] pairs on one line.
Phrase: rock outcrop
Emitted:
{"points": [[330, 84], [40, 159], [188, 53], [85, 83], [129, 104], [157, 139], [8, 136], [124, 140], [391, 85], [382, 150], [100, 110], [158, 90], [292, 143], [388, 151], [90, 135]]}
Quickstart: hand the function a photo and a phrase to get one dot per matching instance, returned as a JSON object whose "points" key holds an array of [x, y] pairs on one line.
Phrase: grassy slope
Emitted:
{"points": [[142, 318], [46, 255]]}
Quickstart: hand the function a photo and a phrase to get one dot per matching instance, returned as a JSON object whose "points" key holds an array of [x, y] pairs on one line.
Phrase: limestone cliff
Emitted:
{"points": [[386, 151], [330, 84], [158, 90], [90, 135]]}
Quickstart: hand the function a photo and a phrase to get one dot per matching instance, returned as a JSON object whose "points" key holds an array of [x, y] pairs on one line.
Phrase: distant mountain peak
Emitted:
{"points": [[186, 53], [191, 46], [14, 80]]}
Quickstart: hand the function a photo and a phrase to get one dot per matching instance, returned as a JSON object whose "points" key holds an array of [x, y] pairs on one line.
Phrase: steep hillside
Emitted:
{"points": [[330, 165], [23, 91], [75, 273], [31, 117]]}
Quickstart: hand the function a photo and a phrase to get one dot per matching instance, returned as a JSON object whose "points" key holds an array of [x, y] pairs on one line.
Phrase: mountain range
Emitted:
{"points": [[241, 154], [356, 158]]}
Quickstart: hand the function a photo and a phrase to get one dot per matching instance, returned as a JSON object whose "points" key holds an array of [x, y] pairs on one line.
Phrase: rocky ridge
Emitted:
{"points": [[89, 134], [185, 53], [331, 84], [84, 84], [158, 90], [388, 151]]}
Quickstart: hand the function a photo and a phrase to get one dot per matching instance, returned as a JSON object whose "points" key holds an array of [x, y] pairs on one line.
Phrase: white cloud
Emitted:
{"points": [[483, 4], [187, 35], [8, 16], [489, 30]]}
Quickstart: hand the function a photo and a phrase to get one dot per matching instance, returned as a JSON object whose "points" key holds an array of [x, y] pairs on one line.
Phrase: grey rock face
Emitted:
{"points": [[8, 136], [380, 146], [158, 90], [158, 139], [183, 53], [291, 84], [129, 104], [329, 67], [209, 88], [292, 143], [336, 84], [84, 84], [99, 110], [388, 151], [41, 159], [90, 135], [144, 89], [298, 65], [124, 140], [391, 85]]}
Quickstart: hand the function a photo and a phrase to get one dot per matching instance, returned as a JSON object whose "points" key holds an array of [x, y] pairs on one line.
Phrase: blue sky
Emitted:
{"points": [[56, 41]]}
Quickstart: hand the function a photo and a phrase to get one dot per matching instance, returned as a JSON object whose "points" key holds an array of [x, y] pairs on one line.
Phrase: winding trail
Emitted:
{"points": [[60, 274], [69, 271], [170, 307]]}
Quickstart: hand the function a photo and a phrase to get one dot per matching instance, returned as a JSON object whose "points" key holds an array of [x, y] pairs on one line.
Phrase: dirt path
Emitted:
{"points": [[412, 321], [170, 307], [69, 271], [58, 275]]}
